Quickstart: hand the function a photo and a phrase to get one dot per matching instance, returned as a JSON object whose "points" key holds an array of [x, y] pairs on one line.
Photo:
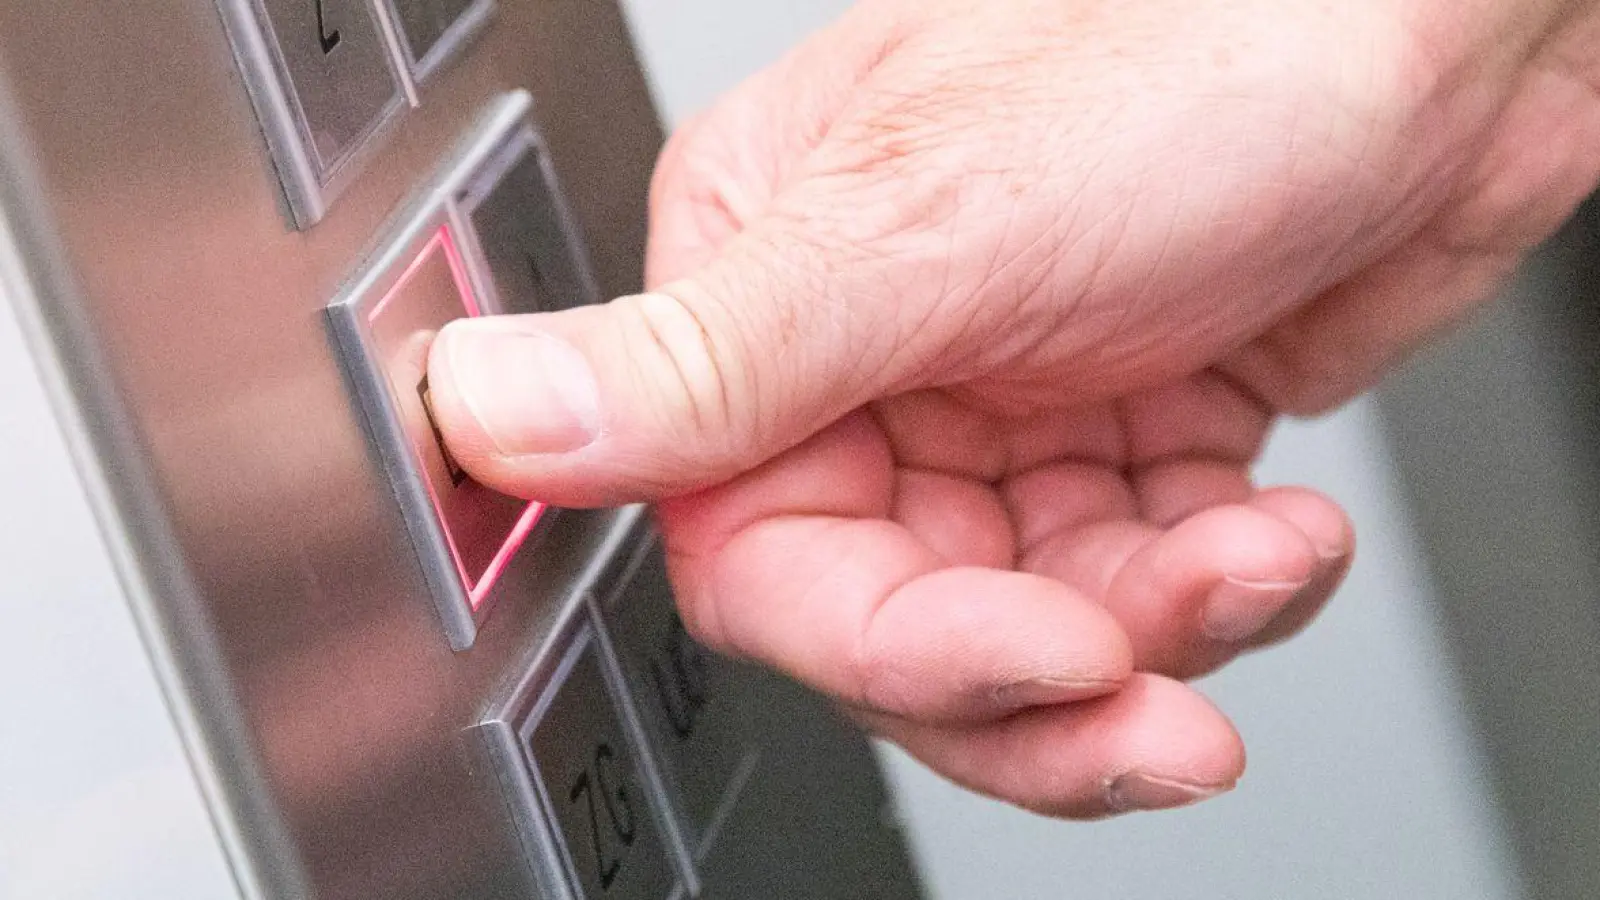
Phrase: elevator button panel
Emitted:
{"points": [[432, 31], [687, 701], [622, 732]]}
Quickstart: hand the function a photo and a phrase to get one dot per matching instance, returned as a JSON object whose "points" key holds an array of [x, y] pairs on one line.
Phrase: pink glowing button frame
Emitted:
{"points": [[477, 587], [463, 597]]}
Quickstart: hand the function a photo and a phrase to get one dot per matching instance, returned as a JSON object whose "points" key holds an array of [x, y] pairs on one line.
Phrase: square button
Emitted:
{"points": [[339, 71], [527, 239], [591, 784], [465, 534], [687, 697]]}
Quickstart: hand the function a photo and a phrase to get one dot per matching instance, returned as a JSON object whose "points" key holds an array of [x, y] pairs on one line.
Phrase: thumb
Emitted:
{"points": [[714, 373], [655, 394]]}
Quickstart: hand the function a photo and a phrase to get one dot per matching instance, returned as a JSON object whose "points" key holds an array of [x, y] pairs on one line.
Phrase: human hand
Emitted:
{"points": [[967, 320]]}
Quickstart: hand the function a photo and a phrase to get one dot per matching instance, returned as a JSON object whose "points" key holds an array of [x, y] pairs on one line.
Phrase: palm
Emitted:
{"points": [[964, 575], [1089, 496]]}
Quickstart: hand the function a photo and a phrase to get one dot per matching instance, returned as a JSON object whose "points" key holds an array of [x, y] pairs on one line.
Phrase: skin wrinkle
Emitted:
{"points": [[1125, 510], [1061, 310], [710, 415], [1001, 270], [1014, 519], [863, 662], [990, 487], [1107, 344], [877, 341], [963, 314]]}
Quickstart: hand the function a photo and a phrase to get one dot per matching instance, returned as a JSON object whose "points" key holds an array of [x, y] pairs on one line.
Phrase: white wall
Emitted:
{"points": [[1364, 779]]}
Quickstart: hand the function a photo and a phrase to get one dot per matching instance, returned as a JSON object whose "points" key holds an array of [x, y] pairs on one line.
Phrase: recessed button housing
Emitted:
{"points": [[338, 64], [465, 533], [325, 82], [439, 266]]}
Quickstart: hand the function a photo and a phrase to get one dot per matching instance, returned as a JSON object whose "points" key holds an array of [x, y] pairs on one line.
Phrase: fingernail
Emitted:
{"points": [[530, 392], [1136, 791], [1050, 691], [1238, 609]]}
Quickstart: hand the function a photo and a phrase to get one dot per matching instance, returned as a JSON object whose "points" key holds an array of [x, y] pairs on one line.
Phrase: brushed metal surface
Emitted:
{"points": [[90, 756], [323, 709]]}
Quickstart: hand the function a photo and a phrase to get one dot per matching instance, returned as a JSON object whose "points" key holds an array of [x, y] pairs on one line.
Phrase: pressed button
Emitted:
{"points": [[465, 534]]}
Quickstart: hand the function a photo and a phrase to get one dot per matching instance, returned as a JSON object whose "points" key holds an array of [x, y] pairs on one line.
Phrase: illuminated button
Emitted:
{"points": [[465, 534], [527, 239], [339, 71], [433, 30], [592, 787], [686, 696]]}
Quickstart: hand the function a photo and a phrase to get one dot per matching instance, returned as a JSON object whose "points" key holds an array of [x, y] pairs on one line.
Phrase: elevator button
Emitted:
{"points": [[433, 30], [339, 71], [527, 239], [465, 534], [687, 698], [592, 785]]}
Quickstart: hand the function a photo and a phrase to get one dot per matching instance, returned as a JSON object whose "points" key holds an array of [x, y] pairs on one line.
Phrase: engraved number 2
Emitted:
{"points": [[328, 39]]}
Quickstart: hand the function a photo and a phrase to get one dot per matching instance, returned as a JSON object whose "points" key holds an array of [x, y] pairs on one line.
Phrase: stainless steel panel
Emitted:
{"points": [[89, 755], [686, 699], [323, 709]]}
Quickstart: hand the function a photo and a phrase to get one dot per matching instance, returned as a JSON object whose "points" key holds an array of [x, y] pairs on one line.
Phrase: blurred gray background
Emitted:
{"points": [[1434, 734]]}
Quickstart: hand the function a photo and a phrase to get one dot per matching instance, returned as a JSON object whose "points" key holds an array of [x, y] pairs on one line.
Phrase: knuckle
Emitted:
{"points": [[686, 366], [696, 603], [1295, 374]]}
